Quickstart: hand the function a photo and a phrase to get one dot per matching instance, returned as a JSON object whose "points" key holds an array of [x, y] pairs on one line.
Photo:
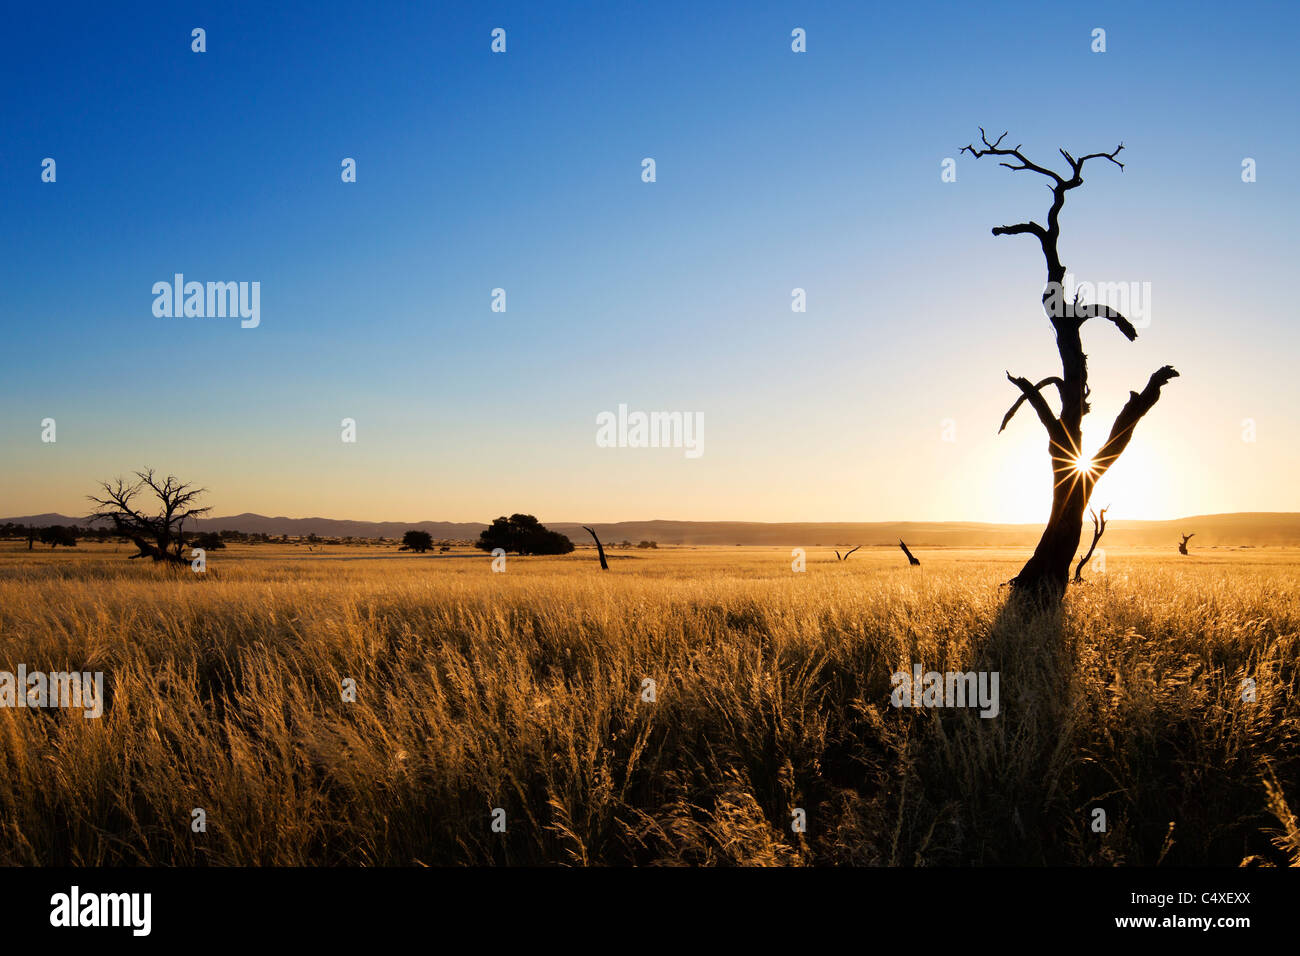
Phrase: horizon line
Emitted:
{"points": [[891, 521]]}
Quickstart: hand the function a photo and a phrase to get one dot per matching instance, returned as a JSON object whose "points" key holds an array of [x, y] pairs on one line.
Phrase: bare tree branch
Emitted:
{"points": [[1020, 228], [994, 149], [1031, 394], [1138, 404], [1077, 164], [1098, 529], [1051, 380], [1083, 312]]}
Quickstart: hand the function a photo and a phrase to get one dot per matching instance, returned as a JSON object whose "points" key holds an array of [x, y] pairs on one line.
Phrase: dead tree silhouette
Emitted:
{"points": [[910, 558], [604, 565], [161, 536], [1046, 573], [846, 556], [1098, 529], [1182, 545]]}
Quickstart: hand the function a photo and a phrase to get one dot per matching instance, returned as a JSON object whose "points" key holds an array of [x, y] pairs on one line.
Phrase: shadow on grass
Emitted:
{"points": [[990, 790]]}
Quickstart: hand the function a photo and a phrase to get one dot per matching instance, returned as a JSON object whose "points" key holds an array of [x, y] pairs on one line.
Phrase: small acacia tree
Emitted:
{"points": [[57, 534], [1073, 473], [522, 534], [160, 536], [417, 541]]}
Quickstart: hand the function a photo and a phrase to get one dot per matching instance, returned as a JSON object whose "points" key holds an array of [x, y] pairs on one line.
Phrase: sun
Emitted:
{"points": [[1075, 467]]}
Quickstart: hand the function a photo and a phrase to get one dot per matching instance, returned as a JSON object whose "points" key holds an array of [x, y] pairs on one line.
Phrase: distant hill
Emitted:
{"points": [[1253, 529], [294, 527], [340, 527], [1246, 529]]}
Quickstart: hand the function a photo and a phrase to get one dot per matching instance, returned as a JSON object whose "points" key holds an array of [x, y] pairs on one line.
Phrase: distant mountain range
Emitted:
{"points": [[1245, 529]]}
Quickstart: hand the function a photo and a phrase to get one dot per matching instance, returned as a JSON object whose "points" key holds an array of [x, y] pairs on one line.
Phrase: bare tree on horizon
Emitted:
{"points": [[600, 549], [160, 536], [1046, 574]]}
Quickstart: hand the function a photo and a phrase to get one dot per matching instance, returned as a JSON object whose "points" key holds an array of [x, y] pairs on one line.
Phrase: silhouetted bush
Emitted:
{"points": [[208, 541], [417, 541], [57, 534], [522, 534]]}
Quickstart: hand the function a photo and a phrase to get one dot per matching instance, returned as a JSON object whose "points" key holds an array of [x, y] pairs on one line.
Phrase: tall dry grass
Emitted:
{"points": [[523, 691]]}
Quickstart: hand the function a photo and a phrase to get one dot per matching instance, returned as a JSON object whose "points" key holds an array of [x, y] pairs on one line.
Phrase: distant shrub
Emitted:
{"points": [[57, 534], [417, 541], [522, 534]]}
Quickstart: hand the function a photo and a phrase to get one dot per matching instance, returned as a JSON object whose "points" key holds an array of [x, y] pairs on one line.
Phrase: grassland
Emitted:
{"points": [[524, 691]]}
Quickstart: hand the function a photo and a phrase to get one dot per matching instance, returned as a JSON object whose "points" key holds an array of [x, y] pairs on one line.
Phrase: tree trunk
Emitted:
{"points": [[1047, 572], [604, 565], [157, 552]]}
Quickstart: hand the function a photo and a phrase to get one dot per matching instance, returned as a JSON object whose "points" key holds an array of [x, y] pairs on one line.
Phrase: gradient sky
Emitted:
{"points": [[523, 171]]}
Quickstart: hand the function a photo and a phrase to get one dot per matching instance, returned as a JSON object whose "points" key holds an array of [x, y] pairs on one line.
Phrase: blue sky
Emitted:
{"points": [[522, 171]]}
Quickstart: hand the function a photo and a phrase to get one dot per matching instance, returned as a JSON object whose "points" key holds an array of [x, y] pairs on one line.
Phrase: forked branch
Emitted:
{"points": [[1059, 185], [1098, 529], [995, 149], [1031, 394], [1051, 380]]}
